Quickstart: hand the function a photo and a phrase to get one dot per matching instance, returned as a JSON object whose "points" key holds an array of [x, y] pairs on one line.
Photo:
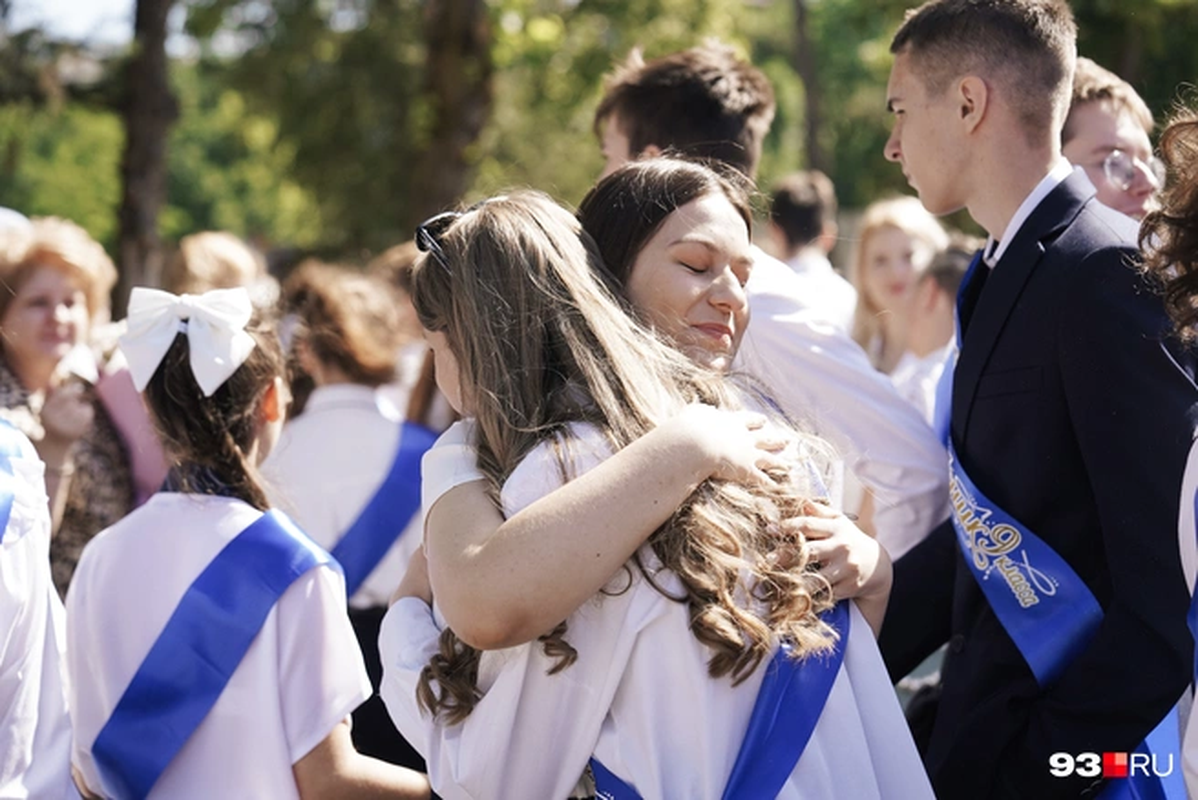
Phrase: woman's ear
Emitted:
{"points": [[274, 400]]}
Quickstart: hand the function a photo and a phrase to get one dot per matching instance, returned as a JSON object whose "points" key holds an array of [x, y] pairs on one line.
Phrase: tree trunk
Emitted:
{"points": [[148, 109], [805, 66], [459, 90]]}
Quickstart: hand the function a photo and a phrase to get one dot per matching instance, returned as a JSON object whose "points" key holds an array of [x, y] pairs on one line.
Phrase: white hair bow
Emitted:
{"points": [[215, 324]]}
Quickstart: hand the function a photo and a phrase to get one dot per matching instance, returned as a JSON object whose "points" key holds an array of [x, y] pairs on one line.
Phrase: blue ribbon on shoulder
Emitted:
{"points": [[388, 513], [788, 706], [198, 651], [1047, 610], [942, 408]]}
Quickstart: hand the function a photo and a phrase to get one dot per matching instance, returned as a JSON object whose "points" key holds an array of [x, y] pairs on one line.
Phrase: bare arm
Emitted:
{"points": [[500, 583], [335, 770]]}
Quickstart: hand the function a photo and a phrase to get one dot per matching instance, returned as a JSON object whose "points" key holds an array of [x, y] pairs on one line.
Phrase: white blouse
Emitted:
{"points": [[302, 675], [818, 374], [638, 698], [1187, 540], [329, 463], [35, 731]]}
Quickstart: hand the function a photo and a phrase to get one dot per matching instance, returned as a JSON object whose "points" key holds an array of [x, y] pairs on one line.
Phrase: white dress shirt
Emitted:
{"points": [[639, 697], [35, 731], [822, 289], [329, 463], [916, 377], [302, 675], [995, 248], [820, 376]]}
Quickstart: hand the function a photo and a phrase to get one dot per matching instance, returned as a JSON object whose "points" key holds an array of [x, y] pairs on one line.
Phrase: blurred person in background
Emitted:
{"points": [[58, 280], [896, 242], [803, 230], [1106, 134], [219, 260], [414, 387], [348, 468], [932, 332], [35, 731]]}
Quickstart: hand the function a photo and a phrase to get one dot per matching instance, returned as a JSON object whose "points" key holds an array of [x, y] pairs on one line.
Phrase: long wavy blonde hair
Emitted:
{"points": [[542, 341]]}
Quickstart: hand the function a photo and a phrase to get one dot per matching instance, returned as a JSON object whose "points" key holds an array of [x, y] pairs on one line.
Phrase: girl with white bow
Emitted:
{"points": [[233, 638]]}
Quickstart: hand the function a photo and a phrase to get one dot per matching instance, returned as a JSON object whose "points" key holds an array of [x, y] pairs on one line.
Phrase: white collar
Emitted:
{"points": [[995, 249], [342, 395]]}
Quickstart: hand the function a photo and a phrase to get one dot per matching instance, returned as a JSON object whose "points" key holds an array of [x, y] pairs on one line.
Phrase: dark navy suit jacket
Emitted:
{"points": [[1070, 413]]}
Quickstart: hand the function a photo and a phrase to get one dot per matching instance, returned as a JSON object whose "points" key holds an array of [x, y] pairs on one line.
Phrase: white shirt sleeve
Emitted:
{"points": [[818, 374], [322, 677], [531, 734], [1187, 533], [450, 462], [35, 733]]}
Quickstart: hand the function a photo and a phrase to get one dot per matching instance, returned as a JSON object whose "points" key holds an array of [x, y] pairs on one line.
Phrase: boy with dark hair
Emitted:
{"points": [[705, 102], [814, 370], [1058, 586], [803, 229]]}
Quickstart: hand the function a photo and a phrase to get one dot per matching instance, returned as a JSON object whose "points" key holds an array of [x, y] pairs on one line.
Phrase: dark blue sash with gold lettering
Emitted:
{"points": [[788, 706], [198, 651], [388, 513], [1047, 610]]}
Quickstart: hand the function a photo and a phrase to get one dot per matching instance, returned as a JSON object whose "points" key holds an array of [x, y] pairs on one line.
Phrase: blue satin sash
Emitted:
{"points": [[1041, 602], [388, 513], [943, 407], [788, 706], [198, 651], [1047, 610], [9, 449]]}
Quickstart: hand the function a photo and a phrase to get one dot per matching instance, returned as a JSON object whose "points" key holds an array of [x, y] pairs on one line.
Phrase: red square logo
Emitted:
{"points": [[1114, 765]]}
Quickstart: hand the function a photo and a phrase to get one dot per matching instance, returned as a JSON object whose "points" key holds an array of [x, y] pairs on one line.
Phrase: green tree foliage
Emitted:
{"points": [[228, 171], [62, 160], [344, 84], [308, 122]]}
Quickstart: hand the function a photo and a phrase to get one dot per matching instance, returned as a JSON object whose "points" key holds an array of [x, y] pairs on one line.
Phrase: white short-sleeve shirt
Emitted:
{"points": [[301, 676], [638, 698], [329, 463]]}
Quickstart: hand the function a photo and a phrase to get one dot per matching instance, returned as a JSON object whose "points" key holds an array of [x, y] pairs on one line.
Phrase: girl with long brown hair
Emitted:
{"points": [[556, 376]]}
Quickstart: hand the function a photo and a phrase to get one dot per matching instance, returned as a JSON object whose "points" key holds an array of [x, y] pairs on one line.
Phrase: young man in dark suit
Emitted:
{"points": [[1068, 415]]}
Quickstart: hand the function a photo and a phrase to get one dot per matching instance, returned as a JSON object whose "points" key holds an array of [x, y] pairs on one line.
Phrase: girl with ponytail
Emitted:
{"points": [[204, 626]]}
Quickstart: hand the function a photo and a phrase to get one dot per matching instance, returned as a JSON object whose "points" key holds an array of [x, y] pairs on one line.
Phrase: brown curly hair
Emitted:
{"points": [[1169, 234], [542, 342]]}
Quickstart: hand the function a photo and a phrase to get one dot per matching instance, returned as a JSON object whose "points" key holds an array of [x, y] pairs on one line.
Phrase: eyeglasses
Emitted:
{"points": [[429, 233], [1120, 169]]}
